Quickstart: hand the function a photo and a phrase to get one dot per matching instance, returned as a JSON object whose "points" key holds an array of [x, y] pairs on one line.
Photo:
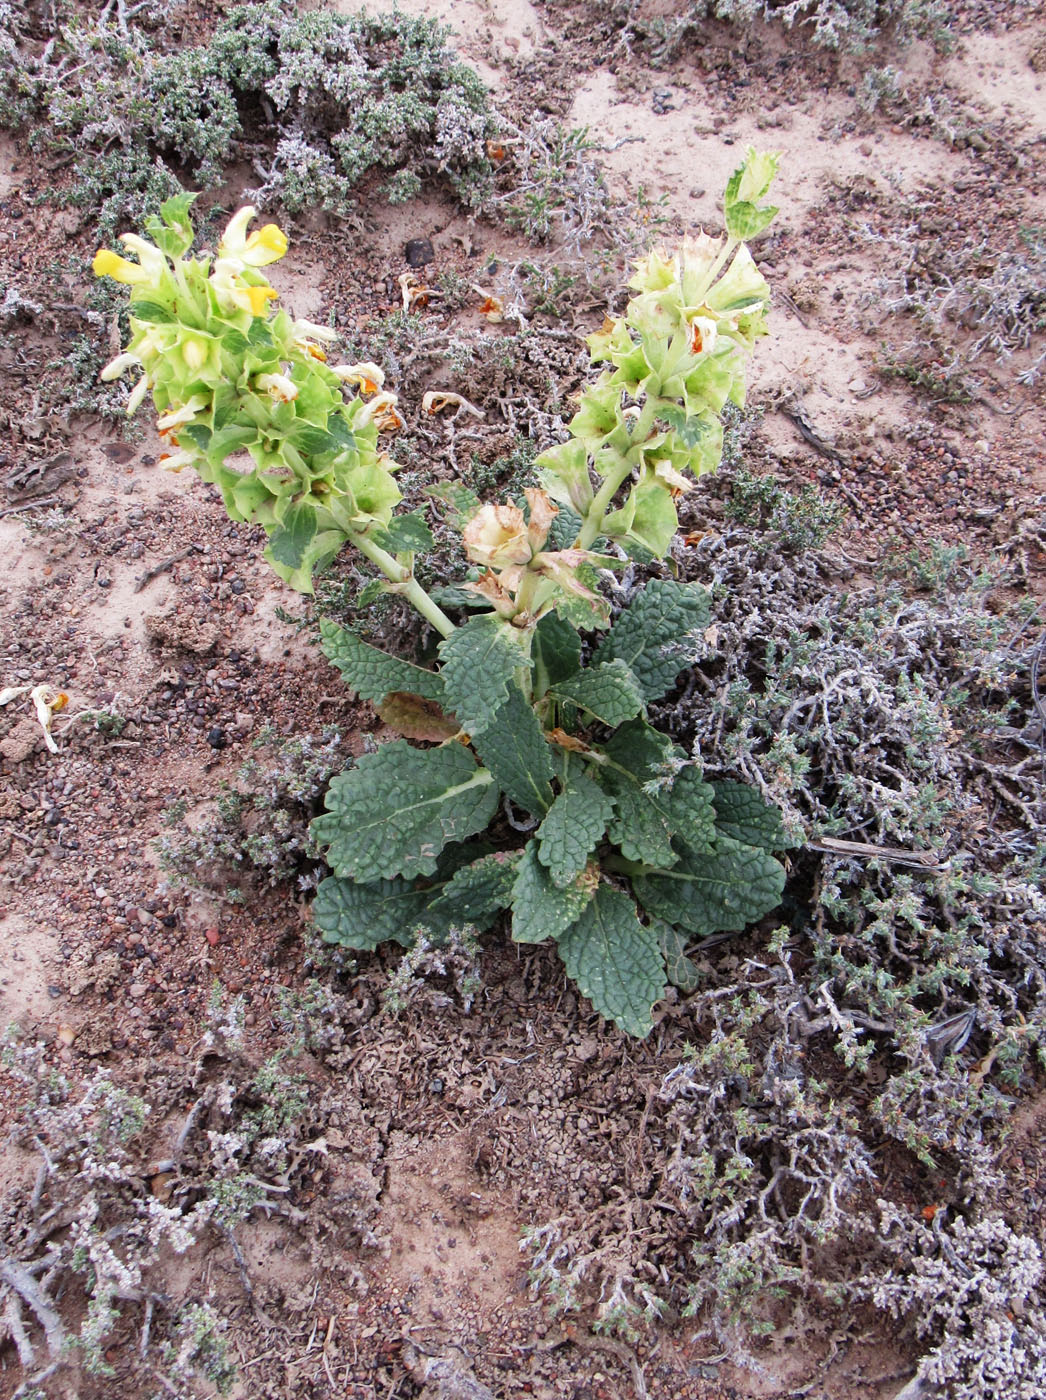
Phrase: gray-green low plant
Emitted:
{"points": [[313, 100]]}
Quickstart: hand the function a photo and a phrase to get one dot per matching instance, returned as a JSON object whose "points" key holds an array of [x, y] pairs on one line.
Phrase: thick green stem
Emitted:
{"points": [[405, 583], [604, 497]]}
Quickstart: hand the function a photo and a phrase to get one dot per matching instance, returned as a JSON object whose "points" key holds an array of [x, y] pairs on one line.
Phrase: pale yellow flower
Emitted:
{"points": [[266, 245], [185, 414], [116, 367], [279, 386], [109, 264]]}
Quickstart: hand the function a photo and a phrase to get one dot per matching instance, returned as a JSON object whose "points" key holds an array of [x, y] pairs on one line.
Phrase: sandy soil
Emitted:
{"points": [[451, 1129]]}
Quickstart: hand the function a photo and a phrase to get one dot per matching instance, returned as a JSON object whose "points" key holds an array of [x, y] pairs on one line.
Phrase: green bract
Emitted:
{"points": [[627, 854]]}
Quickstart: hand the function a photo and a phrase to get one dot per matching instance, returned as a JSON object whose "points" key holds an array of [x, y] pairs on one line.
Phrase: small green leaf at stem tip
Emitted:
{"points": [[682, 971], [745, 216]]}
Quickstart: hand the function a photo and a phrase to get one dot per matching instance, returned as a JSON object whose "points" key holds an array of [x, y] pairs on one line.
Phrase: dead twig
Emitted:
{"points": [[162, 568], [31, 505], [17, 1277], [864, 850]]}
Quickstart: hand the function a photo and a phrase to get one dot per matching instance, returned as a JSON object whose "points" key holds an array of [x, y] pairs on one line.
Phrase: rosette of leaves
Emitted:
{"points": [[628, 856], [244, 395], [676, 357]]}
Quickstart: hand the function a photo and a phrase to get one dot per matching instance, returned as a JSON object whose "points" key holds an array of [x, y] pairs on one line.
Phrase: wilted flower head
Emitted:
{"points": [[496, 536], [365, 375], [46, 701], [382, 412], [278, 386]]}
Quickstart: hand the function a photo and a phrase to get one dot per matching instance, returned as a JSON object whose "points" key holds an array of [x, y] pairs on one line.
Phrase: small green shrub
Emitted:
{"points": [[315, 101]]}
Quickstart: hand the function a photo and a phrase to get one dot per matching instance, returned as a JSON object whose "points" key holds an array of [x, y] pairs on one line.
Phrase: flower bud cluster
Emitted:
{"points": [[244, 394], [676, 357]]}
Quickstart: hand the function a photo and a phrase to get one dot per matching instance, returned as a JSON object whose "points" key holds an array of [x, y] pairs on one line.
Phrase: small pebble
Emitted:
{"points": [[418, 252], [137, 989]]}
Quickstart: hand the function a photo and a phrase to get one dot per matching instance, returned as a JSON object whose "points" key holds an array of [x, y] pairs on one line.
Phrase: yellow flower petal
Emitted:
{"points": [[259, 298], [109, 264], [264, 246]]}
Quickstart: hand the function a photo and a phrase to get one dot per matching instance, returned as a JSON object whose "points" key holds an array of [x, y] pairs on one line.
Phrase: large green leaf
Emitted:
{"points": [[741, 813], [395, 811], [556, 649], [362, 916], [659, 634], [513, 747], [615, 961], [608, 692], [708, 891], [371, 673], [575, 822], [477, 893], [479, 659], [541, 909], [636, 778], [690, 810]]}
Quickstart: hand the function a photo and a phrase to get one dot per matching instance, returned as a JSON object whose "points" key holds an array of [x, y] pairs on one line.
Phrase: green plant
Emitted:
{"points": [[984, 298], [630, 854], [782, 519], [260, 821], [846, 25], [313, 100], [556, 185]]}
